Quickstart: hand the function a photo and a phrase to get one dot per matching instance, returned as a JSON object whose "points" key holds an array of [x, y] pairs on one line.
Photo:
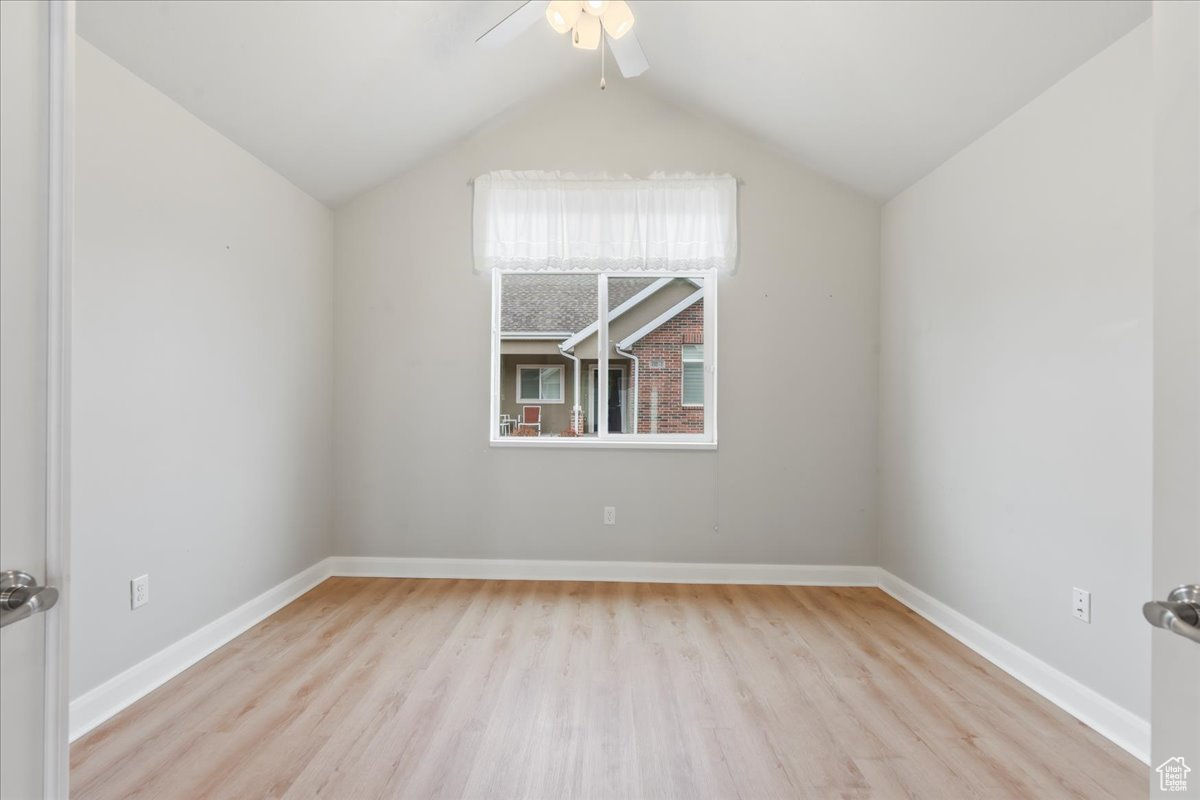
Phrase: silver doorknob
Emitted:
{"points": [[1180, 613], [21, 597]]}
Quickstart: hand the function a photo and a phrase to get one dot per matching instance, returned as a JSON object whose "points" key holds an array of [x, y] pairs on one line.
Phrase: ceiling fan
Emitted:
{"points": [[590, 23]]}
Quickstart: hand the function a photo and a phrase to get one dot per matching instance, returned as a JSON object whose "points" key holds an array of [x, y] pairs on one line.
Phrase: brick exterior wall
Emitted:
{"points": [[660, 390]]}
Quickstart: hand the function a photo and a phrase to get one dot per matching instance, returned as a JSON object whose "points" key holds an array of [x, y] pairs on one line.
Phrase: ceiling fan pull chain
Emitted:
{"points": [[603, 85]]}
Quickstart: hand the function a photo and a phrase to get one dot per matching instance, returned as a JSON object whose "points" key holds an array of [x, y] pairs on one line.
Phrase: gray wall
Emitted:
{"points": [[202, 374], [1015, 411], [794, 478]]}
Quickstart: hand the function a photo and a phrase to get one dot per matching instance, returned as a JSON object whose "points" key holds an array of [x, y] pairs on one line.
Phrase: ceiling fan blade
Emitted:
{"points": [[514, 24], [629, 55]]}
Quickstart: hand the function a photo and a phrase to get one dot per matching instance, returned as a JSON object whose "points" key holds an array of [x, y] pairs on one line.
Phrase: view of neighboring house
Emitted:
{"points": [[549, 356]]}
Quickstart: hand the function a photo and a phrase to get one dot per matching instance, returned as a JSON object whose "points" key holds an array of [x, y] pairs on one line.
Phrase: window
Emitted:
{"points": [[539, 384], [598, 285], [611, 359], [693, 374]]}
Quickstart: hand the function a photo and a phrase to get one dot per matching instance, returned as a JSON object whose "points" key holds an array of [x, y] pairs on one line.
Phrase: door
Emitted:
{"points": [[1175, 681], [36, 38], [616, 400]]}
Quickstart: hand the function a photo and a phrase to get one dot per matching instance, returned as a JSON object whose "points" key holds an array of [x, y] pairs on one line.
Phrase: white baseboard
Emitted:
{"points": [[1121, 726], [623, 571], [117, 693]]}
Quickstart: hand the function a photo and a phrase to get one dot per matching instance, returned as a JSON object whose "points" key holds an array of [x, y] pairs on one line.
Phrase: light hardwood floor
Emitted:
{"points": [[367, 688]]}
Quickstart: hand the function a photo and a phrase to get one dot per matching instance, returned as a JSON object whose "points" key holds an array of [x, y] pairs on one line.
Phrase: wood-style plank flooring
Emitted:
{"points": [[373, 688]]}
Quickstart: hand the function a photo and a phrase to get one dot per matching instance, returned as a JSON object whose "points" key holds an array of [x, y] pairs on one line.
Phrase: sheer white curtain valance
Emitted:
{"points": [[536, 221]]}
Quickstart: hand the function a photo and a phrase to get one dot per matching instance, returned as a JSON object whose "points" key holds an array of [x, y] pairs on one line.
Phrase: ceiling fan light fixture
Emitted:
{"points": [[586, 35], [595, 7], [617, 19], [562, 14]]}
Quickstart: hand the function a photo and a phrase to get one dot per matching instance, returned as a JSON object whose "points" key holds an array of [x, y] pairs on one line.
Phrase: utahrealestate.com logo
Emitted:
{"points": [[1172, 775]]}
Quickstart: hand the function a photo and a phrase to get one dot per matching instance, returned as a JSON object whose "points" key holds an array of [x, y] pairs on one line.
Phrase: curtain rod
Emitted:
{"points": [[739, 181]]}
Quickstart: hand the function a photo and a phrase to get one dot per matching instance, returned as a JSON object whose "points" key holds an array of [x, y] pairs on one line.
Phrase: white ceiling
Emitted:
{"points": [[339, 96]]}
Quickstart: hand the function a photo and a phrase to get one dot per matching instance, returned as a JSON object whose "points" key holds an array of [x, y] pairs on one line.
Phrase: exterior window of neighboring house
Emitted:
{"points": [[693, 374], [604, 359], [539, 384]]}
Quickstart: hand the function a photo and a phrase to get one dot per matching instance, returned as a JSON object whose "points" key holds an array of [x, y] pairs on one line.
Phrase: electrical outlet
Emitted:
{"points": [[610, 515], [139, 591], [1081, 605]]}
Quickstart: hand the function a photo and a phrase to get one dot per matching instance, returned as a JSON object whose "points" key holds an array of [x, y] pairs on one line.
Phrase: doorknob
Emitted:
{"points": [[1180, 613], [21, 597]]}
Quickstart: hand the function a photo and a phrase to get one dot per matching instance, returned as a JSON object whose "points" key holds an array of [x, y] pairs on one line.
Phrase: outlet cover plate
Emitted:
{"points": [[1081, 605], [139, 591]]}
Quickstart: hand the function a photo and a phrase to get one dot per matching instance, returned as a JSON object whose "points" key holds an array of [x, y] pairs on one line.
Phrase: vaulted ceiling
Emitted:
{"points": [[339, 96]]}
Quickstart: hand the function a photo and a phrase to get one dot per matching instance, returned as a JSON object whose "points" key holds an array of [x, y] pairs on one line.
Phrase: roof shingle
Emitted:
{"points": [[558, 303]]}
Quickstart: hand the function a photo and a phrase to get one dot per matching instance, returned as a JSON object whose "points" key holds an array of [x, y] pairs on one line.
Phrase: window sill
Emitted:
{"points": [[569, 442]]}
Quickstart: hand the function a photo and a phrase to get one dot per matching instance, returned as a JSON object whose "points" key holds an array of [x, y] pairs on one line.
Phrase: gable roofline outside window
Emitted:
{"points": [[628, 305], [661, 319]]}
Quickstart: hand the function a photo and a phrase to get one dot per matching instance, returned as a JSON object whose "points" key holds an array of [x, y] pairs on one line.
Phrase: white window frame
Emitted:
{"points": [[603, 439], [562, 386], [682, 368]]}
